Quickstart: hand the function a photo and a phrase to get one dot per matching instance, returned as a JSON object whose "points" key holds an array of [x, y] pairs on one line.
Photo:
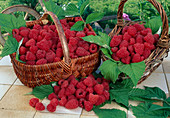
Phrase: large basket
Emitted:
{"points": [[36, 75], [162, 48]]}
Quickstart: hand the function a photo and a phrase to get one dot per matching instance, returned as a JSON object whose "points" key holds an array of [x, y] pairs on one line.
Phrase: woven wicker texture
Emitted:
{"points": [[36, 75], [162, 48]]}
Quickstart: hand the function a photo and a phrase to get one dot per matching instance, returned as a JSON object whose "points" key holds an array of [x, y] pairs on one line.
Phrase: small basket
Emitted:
{"points": [[36, 75], [162, 48]]}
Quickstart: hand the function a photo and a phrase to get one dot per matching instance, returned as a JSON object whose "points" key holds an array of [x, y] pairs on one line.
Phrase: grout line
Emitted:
{"points": [[34, 114], [168, 86]]}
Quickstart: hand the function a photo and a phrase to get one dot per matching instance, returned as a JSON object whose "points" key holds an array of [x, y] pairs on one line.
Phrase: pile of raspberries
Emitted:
{"points": [[72, 94], [41, 44], [135, 44]]}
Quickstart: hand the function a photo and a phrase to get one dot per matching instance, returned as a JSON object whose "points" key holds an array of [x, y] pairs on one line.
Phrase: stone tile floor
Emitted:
{"points": [[14, 104]]}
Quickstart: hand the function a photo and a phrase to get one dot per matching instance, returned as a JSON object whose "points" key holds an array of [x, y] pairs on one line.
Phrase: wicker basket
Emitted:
{"points": [[162, 48], [36, 75]]}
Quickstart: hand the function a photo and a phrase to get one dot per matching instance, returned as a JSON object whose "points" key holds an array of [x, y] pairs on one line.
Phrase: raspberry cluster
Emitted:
{"points": [[41, 44], [135, 44], [85, 93]]}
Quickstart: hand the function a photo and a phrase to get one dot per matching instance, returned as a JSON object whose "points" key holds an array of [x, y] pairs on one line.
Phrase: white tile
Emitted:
{"points": [[159, 69], [5, 61], [7, 75], [3, 90], [18, 82], [61, 109], [168, 79], [166, 64], [155, 80]]}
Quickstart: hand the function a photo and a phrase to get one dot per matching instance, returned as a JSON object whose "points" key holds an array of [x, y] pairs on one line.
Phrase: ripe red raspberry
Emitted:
{"points": [[77, 19], [136, 58], [124, 43], [33, 101], [30, 62], [52, 27], [71, 24], [18, 37], [57, 59], [72, 104], [139, 27], [115, 57], [73, 41], [106, 95], [61, 93], [30, 43], [81, 102], [40, 54], [93, 48], [73, 81], [100, 100], [91, 33], [56, 89], [59, 52], [93, 98], [85, 46], [122, 52], [98, 88], [132, 30], [106, 85], [126, 36], [126, 60], [71, 97], [34, 34], [37, 26], [81, 85], [63, 21], [47, 36], [22, 50], [50, 56], [41, 61], [24, 33], [142, 58], [144, 32], [114, 49], [69, 33], [88, 105], [23, 28], [80, 93], [86, 30], [60, 82], [43, 45], [80, 34], [59, 45], [88, 82], [46, 27], [156, 36], [51, 108], [22, 58], [80, 43], [82, 52], [139, 39], [54, 102], [25, 40], [64, 84], [39, 38], [149, 30], [63, 101], [149, 38], [33, 49], [39, 106], [99, 80], [146, 53], [130, 48], [51, 96], [115, 41], [139, 48], [70, 90], [15, 32], [30, 56], [132, 41], [149, 46], [72, 48], [50, 43], [124, 29], [89, 90]]}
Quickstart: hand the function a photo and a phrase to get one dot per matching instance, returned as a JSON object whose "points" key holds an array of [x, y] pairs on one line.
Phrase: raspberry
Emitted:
{"points": [[81, 85], [124, 43], [106, 94], [132, 41], [22, 50], [93, 98], [30, 43], [40, 54], [80, 34], [57, 59], [114, 49], [77, 19], [80, 93], [80, 43], [93, 48], [73, 55], [63, 21], [22, 58], [54, 102], [30, 62], [41, 61], [89, 90], [88, 82], [126, 36], [70, 90], [115, 41], [72, 48], [142, 58], [73, 81], [130, 48], [46, 27], [99, 80], [105, 80], [54, 47], [124, 29], [156, 36], [30, 56], [126, 60], [149, 38], [39, 106], [88, 105], [132, 30], [24, 33], [34, 34], [37, 26], [64, 84], [39, 38], [120, 37], [91, 33], [139, 48], [50, 43], [43, 45], [59, 45], [25, 40], [52, 27], [69, 33], [144, 32], [51, 108], [33, 49], [71, 24], [85, 46], [60, 82], [72, 104], [71, 97], [59, 52], [139, 39], [50, 56], [51, 96], [23, 28], [86, 30], [61, 93], [18, 37], [149, 46], [47, 36], [106, 85], [116, 58], [56, 89], [73, 41], [63, 101], [122, 52], [146, 53], [139, 27], [100, 100], [15, 32], [98, 88], [81, 102], [149, 30], [81, 52], [136, 58], [33, 101]]}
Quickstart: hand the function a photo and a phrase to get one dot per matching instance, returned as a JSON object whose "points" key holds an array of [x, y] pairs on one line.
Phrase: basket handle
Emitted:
{"points": [[160, 9], [60, 34]]}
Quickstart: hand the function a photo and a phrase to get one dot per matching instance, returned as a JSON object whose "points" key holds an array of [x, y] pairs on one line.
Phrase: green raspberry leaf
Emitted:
{"points": [[133, 70], [71, 10], [11, 46], [78, 26], [166, 103], [42, 91], [94, 17], [84, 6], [107, 53], [109, 113]]}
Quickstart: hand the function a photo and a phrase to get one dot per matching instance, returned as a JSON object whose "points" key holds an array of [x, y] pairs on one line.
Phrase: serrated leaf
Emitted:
{"points": [[42, 91], [105, 37], [133, 70], [78, 26], [11, 46], [71, 10], [17, 52], [109, 70], [94, 17], [53, 7], [109, 113], [84, 6], [9, 22], [126, 83], [107, 53], [166, 103]]}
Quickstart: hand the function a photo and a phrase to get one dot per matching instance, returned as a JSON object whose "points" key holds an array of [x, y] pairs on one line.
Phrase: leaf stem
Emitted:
{"points": [[83, 20]]}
